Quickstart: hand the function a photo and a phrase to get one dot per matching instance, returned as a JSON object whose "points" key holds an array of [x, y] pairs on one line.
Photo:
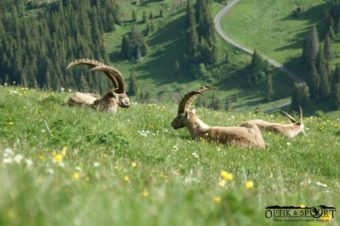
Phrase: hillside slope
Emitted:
{"points": [[277, 33], [71, 166]]}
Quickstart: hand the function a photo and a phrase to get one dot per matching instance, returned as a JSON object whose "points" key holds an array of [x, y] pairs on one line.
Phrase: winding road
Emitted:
{"points": [[224, 11]]}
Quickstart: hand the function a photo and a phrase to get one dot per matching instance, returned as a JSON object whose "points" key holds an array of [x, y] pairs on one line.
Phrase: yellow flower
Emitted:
{"points": [[145, 194], [126, 178], [41, 157], [221, 183], [133, 164], [301, 205], [249, 184], [58, 158], [326, 217], [226, 176], [217, 199], [76, 176], [10, 123], [63, 151]]}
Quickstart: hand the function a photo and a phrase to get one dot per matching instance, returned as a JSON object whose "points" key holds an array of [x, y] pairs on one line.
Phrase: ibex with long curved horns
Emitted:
{"points": [[249, 136], [112, 99], [290, 130]]}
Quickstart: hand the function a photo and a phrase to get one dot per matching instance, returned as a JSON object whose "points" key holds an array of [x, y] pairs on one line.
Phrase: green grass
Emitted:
{"points": [[156, 71], [269, 27], [132, 168]]}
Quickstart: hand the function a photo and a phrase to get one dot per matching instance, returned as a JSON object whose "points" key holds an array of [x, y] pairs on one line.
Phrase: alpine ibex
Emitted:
{"points": [[108, 102], [290, 130], [249, 136]]}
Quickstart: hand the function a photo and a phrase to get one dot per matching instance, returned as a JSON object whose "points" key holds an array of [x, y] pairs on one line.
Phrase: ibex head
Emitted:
{"points": [[184, 105], [116, 77], [298, 124]]}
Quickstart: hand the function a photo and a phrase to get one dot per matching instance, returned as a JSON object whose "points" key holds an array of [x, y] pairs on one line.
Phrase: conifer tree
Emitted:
{"points": [[311, 47], [132, 91], [314, 83], [269, 88], [300, 97], [325, 86], [328, 48]]}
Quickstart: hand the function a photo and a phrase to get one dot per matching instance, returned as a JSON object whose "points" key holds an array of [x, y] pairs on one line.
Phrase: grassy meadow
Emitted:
{"points": [[72, 166]]}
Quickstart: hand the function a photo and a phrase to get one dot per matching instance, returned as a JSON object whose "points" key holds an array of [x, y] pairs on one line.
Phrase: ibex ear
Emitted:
{"points": [[110, 94]]}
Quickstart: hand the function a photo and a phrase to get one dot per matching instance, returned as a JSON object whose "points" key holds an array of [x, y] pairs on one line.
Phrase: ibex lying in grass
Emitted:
{"points": [[249, 136], [108, 102], [290, 130]]}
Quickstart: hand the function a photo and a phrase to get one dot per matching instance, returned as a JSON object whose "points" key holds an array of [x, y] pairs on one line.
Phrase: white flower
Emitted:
{"points": [[7, 160], [14, 92], [18, 158], [195, 154], [50, 171], [29, 162], [175, 147], [78, 169], [69, 90], [321, 184], [62, 89], [8, 152], [61, 164], [96, 164], [144, 133]]}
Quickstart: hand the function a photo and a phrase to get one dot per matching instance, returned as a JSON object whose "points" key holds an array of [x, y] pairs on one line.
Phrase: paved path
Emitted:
{"points": [[224, 11]]}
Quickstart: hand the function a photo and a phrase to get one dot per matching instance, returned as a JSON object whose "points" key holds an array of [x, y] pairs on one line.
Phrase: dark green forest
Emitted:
{"points": [[38, 42]]}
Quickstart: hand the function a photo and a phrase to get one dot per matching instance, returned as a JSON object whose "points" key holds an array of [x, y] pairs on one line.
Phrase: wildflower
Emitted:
{"points": [[57, 158], [8, 152], [288, 143], [29, 162], [195, 154], [217, 199], [321, 184], [249, 184], [133, 164], [76, 176], [63, 151], [78, 169], [50, 171], [301, 205], [41, 157], [7, 160], [126, 178], [62, 89], [326, 217], [221, 183], [18, 158], [96, 164], [145, 194], [10, 123], [226, 176]]}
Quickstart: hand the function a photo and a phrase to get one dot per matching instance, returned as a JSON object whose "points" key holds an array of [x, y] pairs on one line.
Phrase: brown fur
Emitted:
{"points": [[248, 136], [290, 130], [111, 100]]}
